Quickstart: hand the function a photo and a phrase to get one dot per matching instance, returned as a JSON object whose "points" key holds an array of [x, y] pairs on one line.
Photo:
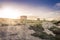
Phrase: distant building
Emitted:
{"points": [[23, 19], [38, 19]]}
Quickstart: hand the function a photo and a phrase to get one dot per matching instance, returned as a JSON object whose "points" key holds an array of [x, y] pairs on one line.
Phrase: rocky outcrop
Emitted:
{"points": [[47, 26], [21, 32]]}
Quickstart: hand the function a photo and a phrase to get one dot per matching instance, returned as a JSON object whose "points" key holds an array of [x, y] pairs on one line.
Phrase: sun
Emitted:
{"points": [[9, 12], [13, 11]]}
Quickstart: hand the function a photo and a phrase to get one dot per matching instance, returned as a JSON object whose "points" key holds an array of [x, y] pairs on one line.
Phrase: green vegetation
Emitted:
{"points": [[3, 24], [37, 27], [56, 31], [39, 32], [55, 22]]}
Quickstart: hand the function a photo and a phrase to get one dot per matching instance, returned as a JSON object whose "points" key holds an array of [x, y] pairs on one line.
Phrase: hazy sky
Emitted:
{"points": [[40, 8]]}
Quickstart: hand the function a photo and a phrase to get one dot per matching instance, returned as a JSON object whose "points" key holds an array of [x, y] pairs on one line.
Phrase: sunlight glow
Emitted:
{"points": [[8, 12], [11, 11]]}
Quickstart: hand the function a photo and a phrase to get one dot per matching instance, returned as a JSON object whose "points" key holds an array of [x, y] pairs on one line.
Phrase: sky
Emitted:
{"points": [[38, 8]]}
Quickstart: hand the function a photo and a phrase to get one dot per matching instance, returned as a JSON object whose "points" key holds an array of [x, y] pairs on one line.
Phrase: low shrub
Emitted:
{"points": [[39, 32]]}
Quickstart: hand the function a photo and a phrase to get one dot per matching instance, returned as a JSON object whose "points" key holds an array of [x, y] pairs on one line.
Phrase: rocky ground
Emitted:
{"points": [[21, 32]]}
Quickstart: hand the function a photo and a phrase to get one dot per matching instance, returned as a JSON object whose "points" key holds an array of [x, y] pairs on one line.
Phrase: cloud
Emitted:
{"points": [[57, 6]]}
